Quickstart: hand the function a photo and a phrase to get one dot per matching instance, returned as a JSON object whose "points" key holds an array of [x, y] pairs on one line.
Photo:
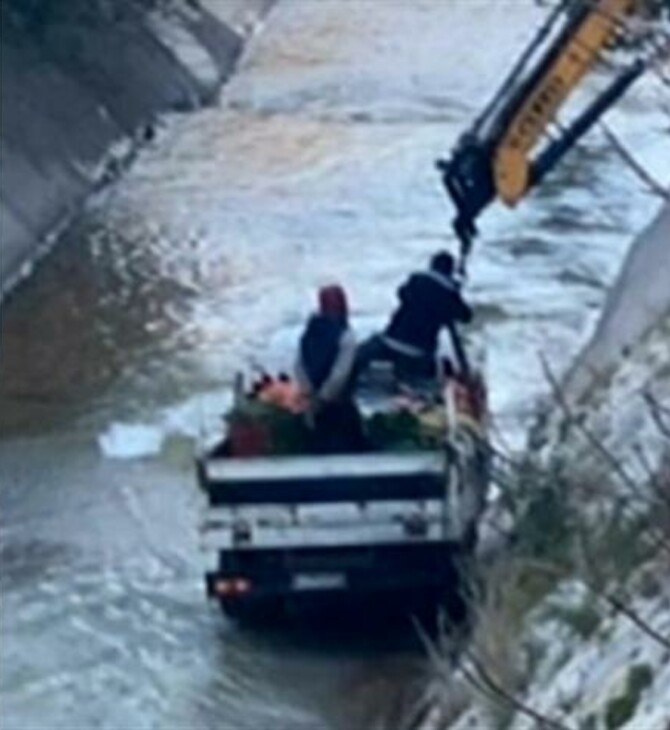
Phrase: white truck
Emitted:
{"points": [[378, 529]]}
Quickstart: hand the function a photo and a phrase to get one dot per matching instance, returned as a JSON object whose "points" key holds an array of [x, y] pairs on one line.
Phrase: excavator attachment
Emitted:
{"points": [[498, 157]]}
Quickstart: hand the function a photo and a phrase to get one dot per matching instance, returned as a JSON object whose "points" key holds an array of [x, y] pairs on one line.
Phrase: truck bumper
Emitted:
{"points": [[392, 578]]}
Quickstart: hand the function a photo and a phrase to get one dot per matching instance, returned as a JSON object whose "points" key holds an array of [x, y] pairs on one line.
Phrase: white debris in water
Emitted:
{"points": [[200, 419], [131, 441]]}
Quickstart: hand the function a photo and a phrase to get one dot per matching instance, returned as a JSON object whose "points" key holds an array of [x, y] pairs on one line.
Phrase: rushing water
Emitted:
{"points": [[316, 166]]}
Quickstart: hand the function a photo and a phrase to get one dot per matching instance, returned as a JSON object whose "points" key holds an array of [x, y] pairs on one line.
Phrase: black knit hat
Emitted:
{"points": [[443, 262]]}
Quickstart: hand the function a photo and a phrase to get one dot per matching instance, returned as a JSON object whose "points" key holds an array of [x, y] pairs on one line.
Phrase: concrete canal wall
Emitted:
{"points": [[638, 300], [82, 83]]}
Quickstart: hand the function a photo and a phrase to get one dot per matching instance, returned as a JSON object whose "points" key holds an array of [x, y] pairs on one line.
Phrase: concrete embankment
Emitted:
{"points": [[607, 391], [82, 84], [638, 300]]}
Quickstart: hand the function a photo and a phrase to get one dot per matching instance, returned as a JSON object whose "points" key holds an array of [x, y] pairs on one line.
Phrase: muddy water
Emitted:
{"points": [[316, 166]]}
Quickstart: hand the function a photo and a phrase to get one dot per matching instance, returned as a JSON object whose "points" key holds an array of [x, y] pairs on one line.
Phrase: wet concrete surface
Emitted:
{"points": [[316, 166]]}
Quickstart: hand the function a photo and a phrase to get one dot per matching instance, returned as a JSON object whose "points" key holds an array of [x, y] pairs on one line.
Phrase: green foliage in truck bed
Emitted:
{"points": [[397, 431]]}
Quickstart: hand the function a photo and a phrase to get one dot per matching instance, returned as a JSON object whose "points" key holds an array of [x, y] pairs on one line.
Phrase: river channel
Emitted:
{"points": [[316, 166]]}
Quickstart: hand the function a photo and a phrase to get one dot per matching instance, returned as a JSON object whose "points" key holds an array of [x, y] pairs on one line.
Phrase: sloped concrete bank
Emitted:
{"points": [[626, 359], [82, 84], [639, 299]]}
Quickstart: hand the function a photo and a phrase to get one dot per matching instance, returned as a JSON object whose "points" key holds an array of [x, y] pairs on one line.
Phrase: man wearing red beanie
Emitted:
{"points": [[324, 372]]}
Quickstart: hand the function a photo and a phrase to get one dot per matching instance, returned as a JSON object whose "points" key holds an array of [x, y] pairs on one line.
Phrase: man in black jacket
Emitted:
{"points": [[429, 300]]}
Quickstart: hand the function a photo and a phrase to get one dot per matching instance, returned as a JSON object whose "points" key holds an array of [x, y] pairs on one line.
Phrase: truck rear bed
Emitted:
{"points": [[329, 528]]}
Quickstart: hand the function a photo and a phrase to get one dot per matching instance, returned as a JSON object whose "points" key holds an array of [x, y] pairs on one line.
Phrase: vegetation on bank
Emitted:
{"points": [[581, 573]]}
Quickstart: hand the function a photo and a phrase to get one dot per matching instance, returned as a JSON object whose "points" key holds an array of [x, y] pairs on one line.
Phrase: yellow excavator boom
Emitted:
{"points": [[577, 57], [501, 155]]}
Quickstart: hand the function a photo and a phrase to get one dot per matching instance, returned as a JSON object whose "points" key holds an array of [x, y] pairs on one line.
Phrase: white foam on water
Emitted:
{"points": [[131, 441], [199, 418]]}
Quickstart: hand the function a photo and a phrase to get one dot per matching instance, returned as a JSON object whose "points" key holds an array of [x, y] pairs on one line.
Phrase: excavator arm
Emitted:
{"points": [[499, 156]]}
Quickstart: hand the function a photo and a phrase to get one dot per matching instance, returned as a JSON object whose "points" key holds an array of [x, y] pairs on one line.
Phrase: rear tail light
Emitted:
{"points": [[242, 585], [231, 586]]}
